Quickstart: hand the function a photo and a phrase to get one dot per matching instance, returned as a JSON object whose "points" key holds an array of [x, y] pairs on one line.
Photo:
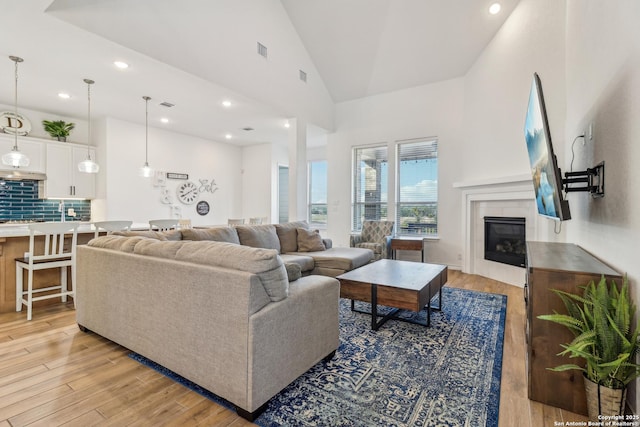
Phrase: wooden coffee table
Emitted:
{"points": [[403, 285]]}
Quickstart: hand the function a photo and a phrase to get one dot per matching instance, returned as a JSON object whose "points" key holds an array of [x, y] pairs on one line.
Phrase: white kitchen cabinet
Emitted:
{"points": [[64, 180], [35, 150]]}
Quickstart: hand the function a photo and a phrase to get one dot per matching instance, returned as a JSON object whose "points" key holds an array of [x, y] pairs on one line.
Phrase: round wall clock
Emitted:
{"points": [[187, 192]]}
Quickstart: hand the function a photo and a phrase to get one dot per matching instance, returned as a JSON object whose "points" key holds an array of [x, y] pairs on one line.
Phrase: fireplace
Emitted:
{"points": [[504, 240]]}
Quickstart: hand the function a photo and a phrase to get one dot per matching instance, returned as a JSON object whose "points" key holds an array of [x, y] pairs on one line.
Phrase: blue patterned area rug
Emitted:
{"points": [[403, 374]]}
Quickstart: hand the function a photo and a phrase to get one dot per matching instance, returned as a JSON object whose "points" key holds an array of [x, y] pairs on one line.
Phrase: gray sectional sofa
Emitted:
{"points": [[226, 315]]}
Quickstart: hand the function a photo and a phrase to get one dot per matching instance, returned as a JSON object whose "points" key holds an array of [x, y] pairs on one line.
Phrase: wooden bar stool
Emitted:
{"points": [[52, 255]]}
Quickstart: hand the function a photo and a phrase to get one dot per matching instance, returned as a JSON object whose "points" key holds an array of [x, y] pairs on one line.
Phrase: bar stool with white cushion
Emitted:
{"points": [[111, 226], [162, 224], [52, 255]]}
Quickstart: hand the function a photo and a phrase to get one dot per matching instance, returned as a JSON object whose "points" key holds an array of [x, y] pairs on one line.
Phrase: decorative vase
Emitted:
{"points": [[603, 400]]}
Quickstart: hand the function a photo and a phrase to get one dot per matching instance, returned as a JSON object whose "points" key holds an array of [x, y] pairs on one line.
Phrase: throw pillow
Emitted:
{"points": [[258, 236], [309, 240], [288, 236], [294, 272]]}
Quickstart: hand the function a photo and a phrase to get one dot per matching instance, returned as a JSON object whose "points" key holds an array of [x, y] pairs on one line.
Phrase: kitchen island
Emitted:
{"points": [[14, 242]]}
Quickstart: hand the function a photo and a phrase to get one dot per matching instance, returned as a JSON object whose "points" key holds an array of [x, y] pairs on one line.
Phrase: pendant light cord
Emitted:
{"points": [[15, 103], [146, 130], [89, 116]]}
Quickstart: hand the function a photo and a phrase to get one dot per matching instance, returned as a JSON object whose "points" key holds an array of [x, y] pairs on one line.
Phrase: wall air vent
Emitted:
{"points": [[248, 128], [167, 104], [262, 50], [303, 76]]}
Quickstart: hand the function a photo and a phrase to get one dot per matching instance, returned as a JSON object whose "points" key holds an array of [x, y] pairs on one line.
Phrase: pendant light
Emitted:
{"points": [[146, 170], [88, 165], [15, 158]]}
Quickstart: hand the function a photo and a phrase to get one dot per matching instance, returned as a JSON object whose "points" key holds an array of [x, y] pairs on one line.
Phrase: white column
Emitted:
{"points": [[297, 170]]}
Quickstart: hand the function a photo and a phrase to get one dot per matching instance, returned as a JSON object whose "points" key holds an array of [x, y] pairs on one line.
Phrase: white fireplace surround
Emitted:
{"points": [[508, 196]]}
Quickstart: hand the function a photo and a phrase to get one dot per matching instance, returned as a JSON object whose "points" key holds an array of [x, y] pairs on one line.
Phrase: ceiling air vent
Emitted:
{"points": [[167, 104], [262, 50], [303, 76], [248, 128]]}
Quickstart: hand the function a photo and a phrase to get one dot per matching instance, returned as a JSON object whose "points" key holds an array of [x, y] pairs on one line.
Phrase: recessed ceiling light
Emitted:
{"points": [[494, 8], [64, 95], [228, 136], [287, 125], [164, 120], [226, 104], [121, 65]]}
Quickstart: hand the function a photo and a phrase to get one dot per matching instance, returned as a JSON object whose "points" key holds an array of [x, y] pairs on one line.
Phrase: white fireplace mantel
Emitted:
{"points": [[505, 189]]}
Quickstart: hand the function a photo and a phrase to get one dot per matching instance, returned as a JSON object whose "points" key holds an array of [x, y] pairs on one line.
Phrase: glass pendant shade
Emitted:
{"points": [[15, 158], [88, 165], [146, 171]]}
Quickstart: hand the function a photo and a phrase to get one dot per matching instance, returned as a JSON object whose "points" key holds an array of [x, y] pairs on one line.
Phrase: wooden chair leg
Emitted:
{"points": [[19, 287]]}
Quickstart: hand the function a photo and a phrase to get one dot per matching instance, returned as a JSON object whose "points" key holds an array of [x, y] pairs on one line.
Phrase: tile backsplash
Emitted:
{"points": [[19, 201]]}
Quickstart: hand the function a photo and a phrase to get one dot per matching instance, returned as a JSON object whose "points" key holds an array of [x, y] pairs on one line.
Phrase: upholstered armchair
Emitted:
{"points": [[375, 235]]}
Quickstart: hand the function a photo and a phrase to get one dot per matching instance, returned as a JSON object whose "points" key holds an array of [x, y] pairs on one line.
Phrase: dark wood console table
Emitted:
{"points": [[565, 267], [406, 243]]}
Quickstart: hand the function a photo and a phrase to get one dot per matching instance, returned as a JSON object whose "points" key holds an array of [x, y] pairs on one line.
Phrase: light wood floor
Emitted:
{"points": [[52, 374]]}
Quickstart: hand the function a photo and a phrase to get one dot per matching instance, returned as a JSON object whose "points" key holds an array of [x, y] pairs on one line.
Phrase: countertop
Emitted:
{"points": [[22, 230]]}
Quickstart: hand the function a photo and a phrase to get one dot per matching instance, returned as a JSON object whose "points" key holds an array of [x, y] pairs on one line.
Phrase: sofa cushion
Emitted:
{"points": [[118, 243], [158, 248], [309, 240], [341, 258], [288, 235], [305, 262], [265, 263], [258, 236], [217, 234]]}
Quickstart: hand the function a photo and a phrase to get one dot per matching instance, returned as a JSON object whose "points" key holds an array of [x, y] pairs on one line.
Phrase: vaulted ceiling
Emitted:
{"points": [[197, 53]]}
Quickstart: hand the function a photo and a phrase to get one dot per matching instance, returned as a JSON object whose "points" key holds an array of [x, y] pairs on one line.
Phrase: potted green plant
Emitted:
{"points": [[58, 128], [606, 340]]}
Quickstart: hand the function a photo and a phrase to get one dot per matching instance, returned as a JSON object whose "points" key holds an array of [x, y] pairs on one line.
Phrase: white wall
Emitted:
{"points": [[256, 181], [425, 111], [497, 91], [77, 135], [129, 196], [603, 88]]}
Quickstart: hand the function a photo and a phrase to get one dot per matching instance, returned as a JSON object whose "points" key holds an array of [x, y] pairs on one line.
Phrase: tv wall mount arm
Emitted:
{"points": [[591, 180]]}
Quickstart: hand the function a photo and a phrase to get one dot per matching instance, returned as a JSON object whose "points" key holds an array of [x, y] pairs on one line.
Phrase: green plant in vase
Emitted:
{"points": [[605, 338], [58, 128]]}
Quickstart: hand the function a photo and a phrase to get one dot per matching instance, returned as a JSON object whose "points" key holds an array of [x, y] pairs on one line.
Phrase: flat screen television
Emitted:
{"points": [[547, 177]]}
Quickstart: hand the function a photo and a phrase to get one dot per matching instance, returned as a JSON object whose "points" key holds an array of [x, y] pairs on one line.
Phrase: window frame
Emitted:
{"points": [[356, 225], [429, 230]]}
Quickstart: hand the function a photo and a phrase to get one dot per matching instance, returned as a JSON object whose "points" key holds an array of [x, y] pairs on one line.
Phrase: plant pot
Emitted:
{"points": [[603, 400], [62, 138]]}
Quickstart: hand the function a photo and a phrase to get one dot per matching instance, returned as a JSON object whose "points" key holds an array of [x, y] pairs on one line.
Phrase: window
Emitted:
{"points": [[370, 179], [318, 193], [417, 195]]}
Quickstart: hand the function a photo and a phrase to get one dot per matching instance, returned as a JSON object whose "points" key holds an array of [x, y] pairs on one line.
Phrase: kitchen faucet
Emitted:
{"points": [[61, 210]]}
